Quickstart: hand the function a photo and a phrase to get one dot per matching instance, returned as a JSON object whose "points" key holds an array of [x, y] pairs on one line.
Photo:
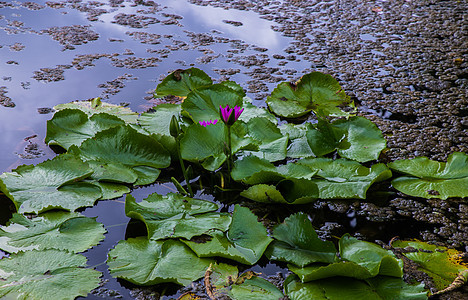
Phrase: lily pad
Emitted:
{"points": [[443, 265], [245, 241], [253, 111], [203, 103], [356, 138], [96, 106], [298, 143], [432, 179], [206, 145], [360, 259], [255, 288], [272, 143], [316, 92], [73, 126], [48, 274], [52, 230], [181, 82], [343, 178], [297, 242], [147, 262], [51, 184], [119, 153], [158, 120], [288, 191], [174, 216], [381, 287]]}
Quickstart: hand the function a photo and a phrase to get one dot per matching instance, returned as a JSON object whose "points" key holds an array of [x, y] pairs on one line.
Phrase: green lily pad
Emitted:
{"points": [[360, 259], [203, 103], [50, 184], [174, 216], [52, 230], [48, 274], [288, 191], [356, 138], [73, 126], [298, 143], [121, 154], [245, 241], [110, 190], [255, 170], [147, 262], [297, 242], [206, 145], [432, 179], [255, 288], [158, 120], [181, 82], [343, 178], [381, 287], [96, 106], [443, 265], [271, 142], [316, 92], [252, 111]]}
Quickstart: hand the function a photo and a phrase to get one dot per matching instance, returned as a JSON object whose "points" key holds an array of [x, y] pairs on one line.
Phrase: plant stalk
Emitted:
{"points": [[182, 166]]}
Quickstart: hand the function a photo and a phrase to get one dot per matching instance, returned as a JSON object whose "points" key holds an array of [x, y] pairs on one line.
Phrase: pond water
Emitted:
{"points": [[54, 52]]}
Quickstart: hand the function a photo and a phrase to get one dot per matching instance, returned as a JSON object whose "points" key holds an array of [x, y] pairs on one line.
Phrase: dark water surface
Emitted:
{"points": [[405, 64]]}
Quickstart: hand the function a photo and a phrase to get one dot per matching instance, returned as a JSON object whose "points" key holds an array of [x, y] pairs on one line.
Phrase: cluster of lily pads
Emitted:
{"points": [[217, 136]]}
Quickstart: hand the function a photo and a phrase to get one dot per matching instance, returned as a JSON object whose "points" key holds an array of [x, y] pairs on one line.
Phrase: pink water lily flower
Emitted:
{"points": [[226, 114], [210, 122]]}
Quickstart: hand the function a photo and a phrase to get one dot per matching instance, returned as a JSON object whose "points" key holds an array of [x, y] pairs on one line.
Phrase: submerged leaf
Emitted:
{"points": [[52, 230], [147, 262], [443, 265], [181, 82], [50, 184], [316, 92], [297, 242], [432, 179], [173, 216], [381, 287], [245, 241], [48, 274]]}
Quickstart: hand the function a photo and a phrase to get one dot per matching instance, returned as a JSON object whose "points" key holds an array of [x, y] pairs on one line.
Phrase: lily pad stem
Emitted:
{"points": [[182, 166]]}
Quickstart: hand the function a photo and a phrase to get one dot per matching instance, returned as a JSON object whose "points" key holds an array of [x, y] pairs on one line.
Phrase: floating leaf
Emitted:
{"points": [[73, 126], [360, 259], [289, 191], [316, 92], [110, 190], [298, 144], [381, 287], [121, 154], [272, 143], [245, 241], [207, 144], [95, 106], [52, 230], [181, 82], [50, 184], [343, 178], [432, 179], [297, 242], [48, 274], [158, 120], [356, 138], [255, 170], [443, 265], [255, 288], [174, 216], [203, 104], [147, 262], [253, 111]]}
